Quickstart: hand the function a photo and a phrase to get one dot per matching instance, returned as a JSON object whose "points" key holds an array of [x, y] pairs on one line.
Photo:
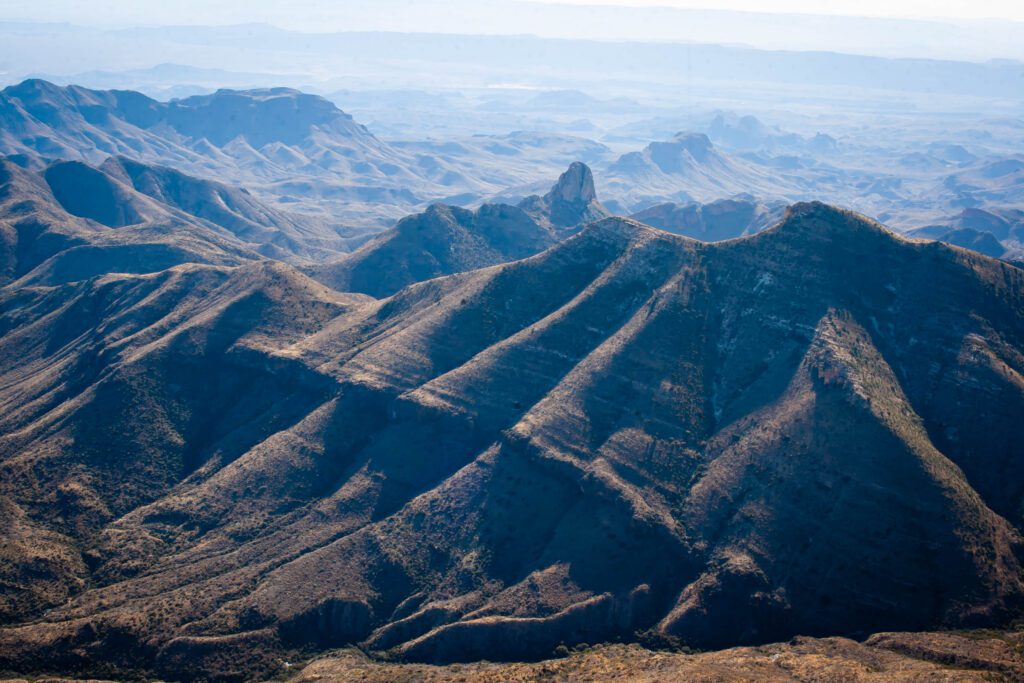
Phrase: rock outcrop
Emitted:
{"points": [[447, 239]]}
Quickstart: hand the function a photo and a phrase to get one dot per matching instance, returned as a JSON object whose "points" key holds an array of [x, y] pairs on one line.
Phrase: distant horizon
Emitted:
{"points": [[946, 30], [921, 10], [460, 34], [195, 13]]}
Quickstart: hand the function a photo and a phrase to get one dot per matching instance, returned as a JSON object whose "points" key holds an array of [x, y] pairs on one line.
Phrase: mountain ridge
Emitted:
{"points": [[444, 462], [691, 168], [447, 239], [70, 220], [289, 145]]}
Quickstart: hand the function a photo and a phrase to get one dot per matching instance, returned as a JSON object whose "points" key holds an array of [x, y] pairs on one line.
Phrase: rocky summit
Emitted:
{"points": [[448, 239], [571, 202], [213, 469]]}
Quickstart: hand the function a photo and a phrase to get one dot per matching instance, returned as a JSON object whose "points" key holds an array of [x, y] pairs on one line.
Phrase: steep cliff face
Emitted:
{"points": [[571, 202], [630, 431]]}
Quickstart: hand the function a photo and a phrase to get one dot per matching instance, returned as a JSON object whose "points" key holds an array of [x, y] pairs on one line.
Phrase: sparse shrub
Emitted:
{"points": [[653, 640]]}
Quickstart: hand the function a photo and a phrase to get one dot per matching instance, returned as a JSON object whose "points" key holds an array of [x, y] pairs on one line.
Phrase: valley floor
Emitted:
{"points": [[968, 656], [940, 656]]}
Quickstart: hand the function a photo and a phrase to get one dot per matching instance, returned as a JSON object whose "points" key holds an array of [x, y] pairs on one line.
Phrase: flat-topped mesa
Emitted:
{"points": [[260, 116], [697, 144], [678, 154]]}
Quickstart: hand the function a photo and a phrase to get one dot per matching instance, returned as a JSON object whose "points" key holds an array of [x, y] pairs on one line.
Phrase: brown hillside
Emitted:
{"points": [[632, 431]]}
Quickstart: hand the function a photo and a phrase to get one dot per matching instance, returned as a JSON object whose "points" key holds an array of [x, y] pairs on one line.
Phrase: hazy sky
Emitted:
{"points": [[363, 12], [951, 29], [975, 9]]}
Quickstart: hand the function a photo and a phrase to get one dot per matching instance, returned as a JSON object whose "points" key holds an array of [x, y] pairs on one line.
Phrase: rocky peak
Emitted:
{"points": [[260, 116], [571, 202], [575, 185], [32, 88], [824, 221]]}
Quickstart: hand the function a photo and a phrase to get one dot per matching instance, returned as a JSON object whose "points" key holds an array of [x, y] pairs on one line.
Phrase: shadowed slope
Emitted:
{"points": [[141, 380], [72, 221], [446, 239], [996, 233], [723, 219], [630, 431], [286, 145], [272, 232], [90, 193]]}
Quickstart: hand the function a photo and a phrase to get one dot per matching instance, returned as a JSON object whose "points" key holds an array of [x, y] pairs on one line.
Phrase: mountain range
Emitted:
{"points": [[67, 220], [277, 386], [996, 233], [290, 145], [690, 168], [630, 432], [447, 239], [299, 153], [714, 221]]}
